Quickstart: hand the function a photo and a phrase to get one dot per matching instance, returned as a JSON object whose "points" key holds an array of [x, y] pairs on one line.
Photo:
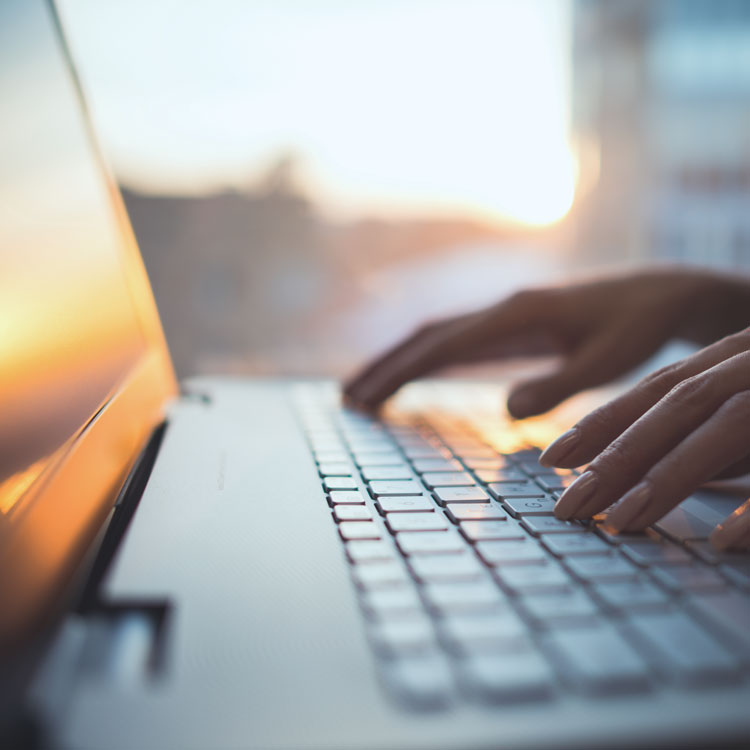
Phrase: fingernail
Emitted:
{"points": [[631, 505], [521, 403], [734, 529], [573, 499], [559, 448]]}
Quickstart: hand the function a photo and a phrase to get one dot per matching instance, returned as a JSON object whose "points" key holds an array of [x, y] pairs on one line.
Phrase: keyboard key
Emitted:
{"points": [[483, 631], [366, 449], [399, 601], [554, 483], [461, 495], [359, 530], [456, 567], [437, 465], [376, 575], [417, 522], [475, 512], [468, 451], [403, 487], [336, 457], [340, 483], [623, 596], [546, 576], [404, 636], [507, 678], [653, 553], [507, 490], [621, 538], [366, 551], [427, 452], [489, 464], [532, 467], [352, 513], [704, 550], [598, 568], [511, 553], [429, 542], [448, 479], [736, 570], [481, 530], [526, 454], [371, 473], [559, 607], [336, 470], [346, 497], [405, 504], [327, 445], [532, 506], [564, 545], [378, 459], [598, 660], [464, 595], [689, 578], [499, 475], [422, 682], [538, 525], [679, 524], [728, 614], [683, 650]]}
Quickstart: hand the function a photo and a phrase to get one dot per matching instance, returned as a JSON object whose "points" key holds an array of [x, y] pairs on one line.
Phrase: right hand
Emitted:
{"points": [[602, 329]]}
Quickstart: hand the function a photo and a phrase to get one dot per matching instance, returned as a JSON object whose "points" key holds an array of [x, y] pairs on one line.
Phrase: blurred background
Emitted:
{"points": [[309, 179]]}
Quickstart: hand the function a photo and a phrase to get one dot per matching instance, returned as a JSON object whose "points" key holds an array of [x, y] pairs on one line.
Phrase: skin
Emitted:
{"points": [[648, 449]]}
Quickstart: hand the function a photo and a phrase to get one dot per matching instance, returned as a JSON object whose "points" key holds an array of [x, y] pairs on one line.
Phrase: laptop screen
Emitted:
{"points": [[69, 329]]}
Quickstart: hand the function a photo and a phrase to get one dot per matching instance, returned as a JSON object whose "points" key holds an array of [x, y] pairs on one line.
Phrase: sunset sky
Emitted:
{"points": [[391, 106]]}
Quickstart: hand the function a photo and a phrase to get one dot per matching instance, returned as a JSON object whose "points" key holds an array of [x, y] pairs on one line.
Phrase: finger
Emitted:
{"points": [[599, 360], [599, 429], [357, 387], [419, 354], [718, 442], [738, 469], [459, 340], [627, 459], [734, 532]]}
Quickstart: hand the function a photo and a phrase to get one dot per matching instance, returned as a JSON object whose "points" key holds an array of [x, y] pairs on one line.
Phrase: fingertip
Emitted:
{"points": [[522, 403], [560, 449]]}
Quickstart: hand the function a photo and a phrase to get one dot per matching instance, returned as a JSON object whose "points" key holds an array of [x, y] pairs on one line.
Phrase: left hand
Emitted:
{"points": [[653, 446]]}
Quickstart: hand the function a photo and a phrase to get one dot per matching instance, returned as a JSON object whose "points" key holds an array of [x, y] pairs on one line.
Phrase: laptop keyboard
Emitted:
{"points": [[472, 590]]}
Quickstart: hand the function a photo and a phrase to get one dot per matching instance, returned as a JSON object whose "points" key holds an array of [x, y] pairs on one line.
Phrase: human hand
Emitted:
{"points": [[653, 446], [601, 328]]}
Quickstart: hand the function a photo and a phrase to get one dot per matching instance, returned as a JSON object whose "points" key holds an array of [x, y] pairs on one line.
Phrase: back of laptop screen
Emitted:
{"points": [[69, 328]]}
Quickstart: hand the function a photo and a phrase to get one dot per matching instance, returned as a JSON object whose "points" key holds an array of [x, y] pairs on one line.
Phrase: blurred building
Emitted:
{"points": [[233, 273], [661, 117]]}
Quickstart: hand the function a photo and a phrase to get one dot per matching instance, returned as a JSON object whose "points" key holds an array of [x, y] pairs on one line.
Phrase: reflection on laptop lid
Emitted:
{"points": [[80, 333]]}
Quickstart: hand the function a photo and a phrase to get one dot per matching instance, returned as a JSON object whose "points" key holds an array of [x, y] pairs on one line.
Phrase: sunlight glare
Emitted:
{"points": [[390, 106]]}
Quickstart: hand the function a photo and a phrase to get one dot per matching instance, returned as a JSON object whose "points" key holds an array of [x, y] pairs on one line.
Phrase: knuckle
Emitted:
{"points": [[692, 392], [738, 406], [597, 422], [661, 380], [621, 453]]}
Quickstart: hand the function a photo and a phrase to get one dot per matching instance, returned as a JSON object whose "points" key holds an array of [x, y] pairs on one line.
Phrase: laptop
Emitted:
{"points": [[232, 563]]}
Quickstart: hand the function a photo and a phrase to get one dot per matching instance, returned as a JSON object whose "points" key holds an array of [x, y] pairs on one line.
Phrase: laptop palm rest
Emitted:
{"points": [[235, 535]]}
